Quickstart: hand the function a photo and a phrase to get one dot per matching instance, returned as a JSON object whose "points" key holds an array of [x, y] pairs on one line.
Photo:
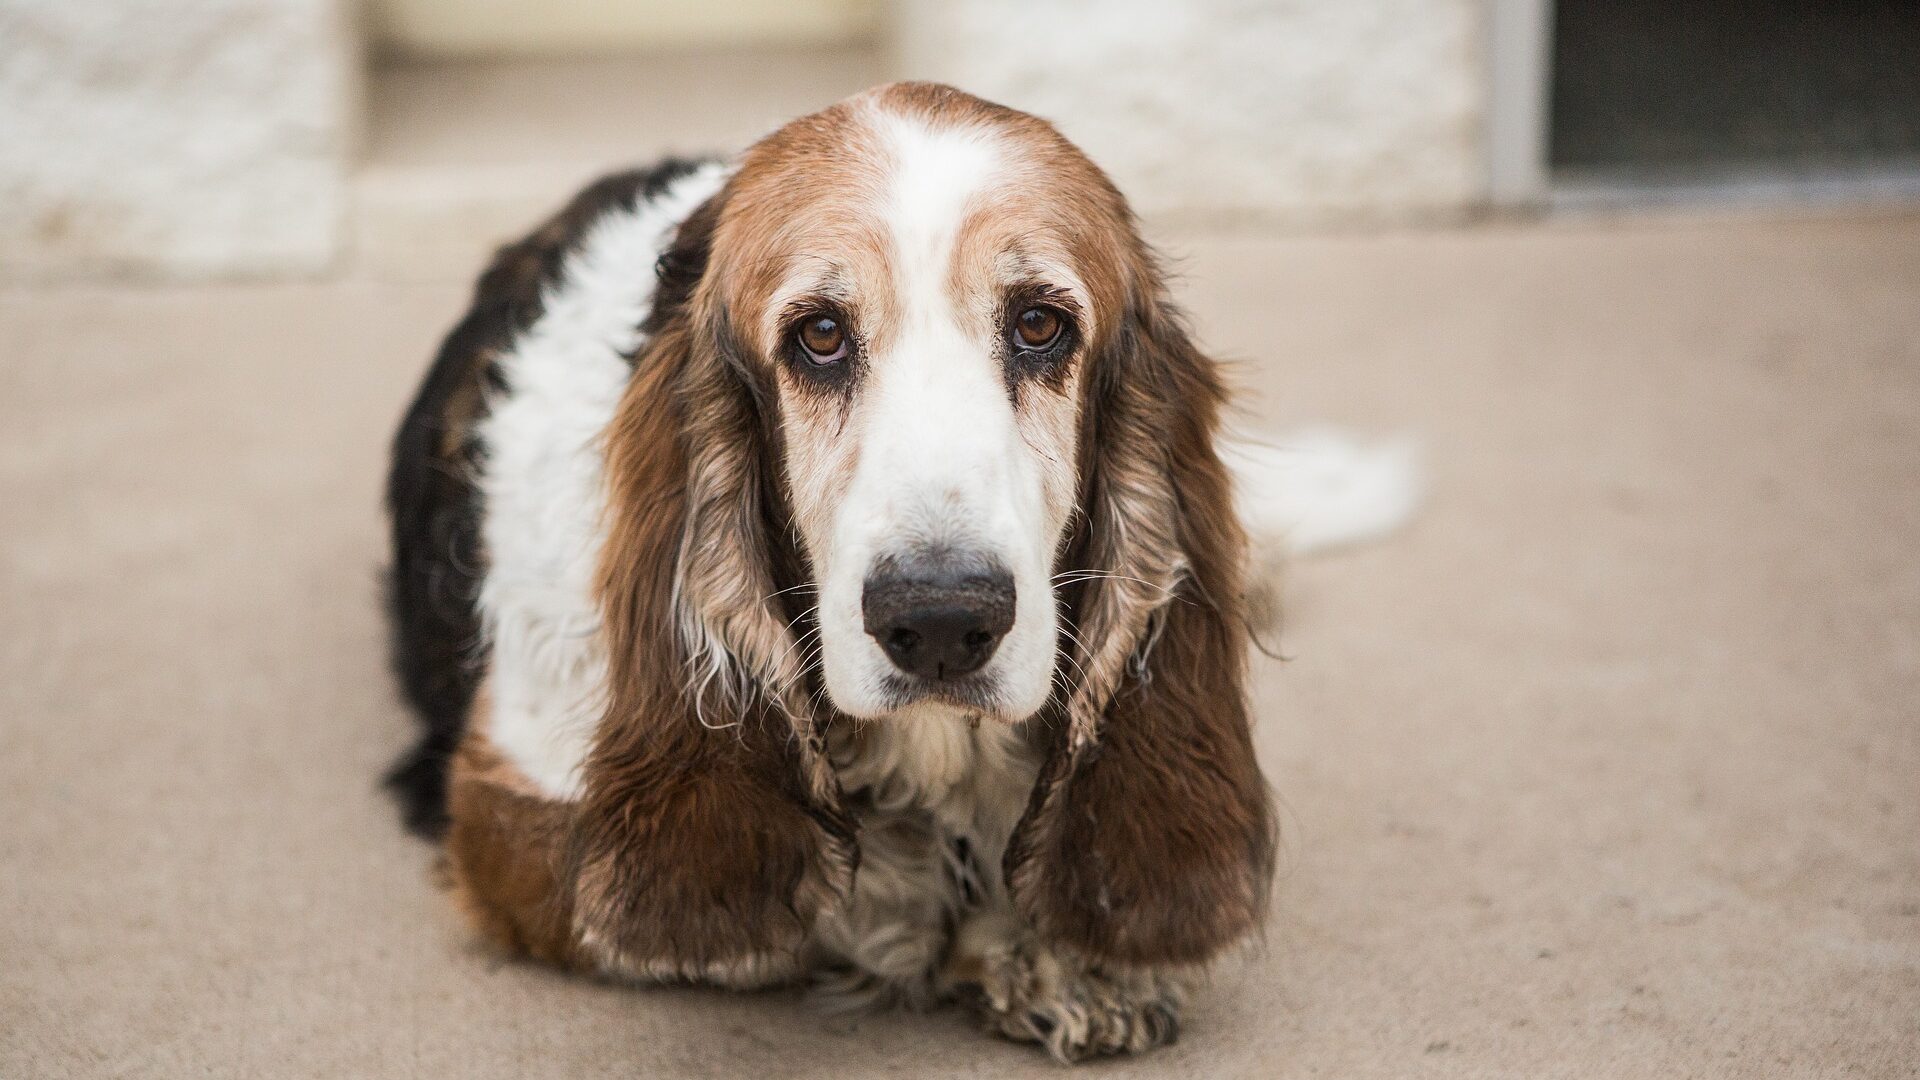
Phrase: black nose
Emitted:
{"points": [[938, 619]]}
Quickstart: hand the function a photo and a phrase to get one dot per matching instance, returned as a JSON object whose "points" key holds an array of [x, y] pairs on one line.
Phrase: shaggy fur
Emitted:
{"points": [[729, 816]]}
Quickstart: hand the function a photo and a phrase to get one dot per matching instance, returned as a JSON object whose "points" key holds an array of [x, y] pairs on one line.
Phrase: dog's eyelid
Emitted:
{"points": [[1046, 294], [801, 308]]}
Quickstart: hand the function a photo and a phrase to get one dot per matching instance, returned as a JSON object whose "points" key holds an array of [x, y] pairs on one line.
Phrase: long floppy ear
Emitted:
{"points": [[1149, 838], [710, 826]]}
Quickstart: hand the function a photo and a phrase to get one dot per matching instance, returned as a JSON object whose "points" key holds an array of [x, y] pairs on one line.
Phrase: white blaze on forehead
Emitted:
{"points": [[936, 420], [937, 176]]}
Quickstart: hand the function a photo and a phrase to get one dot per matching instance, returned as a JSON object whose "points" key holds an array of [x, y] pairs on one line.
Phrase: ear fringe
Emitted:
{"points": [[711, 827], [1149, 836], [725, 590], [1138, 551]]}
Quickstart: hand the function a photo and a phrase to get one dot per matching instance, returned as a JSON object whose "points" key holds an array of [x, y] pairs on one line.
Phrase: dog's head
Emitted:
{"points": [[918, 287], [921, 278], [918, 424]]}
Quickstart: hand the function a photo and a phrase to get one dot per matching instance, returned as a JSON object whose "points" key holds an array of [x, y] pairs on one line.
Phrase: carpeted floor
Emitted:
{"points": [[1609, 767]]}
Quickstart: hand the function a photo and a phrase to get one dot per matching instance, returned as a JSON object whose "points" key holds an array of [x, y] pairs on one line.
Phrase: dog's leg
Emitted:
{"points": [[1024, 991], [883, 945]]}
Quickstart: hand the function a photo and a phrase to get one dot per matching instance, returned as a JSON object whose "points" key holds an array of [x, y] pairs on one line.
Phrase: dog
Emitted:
{"points": [[821, 565]]}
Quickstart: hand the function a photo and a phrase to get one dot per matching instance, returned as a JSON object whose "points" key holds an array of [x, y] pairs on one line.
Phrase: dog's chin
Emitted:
{"points": [[976, 695], [888, 694]]}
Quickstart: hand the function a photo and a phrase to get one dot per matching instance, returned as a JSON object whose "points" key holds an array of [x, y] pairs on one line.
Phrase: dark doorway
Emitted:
{"points": [[1686, 90]]}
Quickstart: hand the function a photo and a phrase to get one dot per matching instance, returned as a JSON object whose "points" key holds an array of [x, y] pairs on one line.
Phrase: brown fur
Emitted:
{"points": [[1150, 836], [504, 851], [712, 827], [703, 841]]}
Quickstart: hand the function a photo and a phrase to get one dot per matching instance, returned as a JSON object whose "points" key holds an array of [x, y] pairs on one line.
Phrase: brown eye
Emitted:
{"points": [[1037, 327], [823, 339]]}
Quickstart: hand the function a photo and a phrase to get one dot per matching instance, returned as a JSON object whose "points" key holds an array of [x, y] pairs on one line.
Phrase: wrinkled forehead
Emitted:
{"points": [[911, 195]]}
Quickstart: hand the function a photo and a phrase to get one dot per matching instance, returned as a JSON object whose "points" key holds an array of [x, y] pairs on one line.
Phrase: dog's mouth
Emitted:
{"points": [[976, 694]]}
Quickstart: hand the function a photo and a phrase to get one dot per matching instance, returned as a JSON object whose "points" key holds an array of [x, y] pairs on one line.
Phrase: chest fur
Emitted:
{"points": [[970, 779]]}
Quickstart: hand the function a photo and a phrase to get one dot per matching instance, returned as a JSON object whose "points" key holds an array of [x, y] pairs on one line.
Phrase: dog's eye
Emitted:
{"points": [[1037, 327], [824, 340]]}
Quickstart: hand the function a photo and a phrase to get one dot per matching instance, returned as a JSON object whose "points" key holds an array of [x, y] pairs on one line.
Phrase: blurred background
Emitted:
{"points": [[269, 137], [1606, 766]]}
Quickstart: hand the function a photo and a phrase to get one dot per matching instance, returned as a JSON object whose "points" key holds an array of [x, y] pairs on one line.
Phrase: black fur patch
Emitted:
{"points": [[438, 560]]}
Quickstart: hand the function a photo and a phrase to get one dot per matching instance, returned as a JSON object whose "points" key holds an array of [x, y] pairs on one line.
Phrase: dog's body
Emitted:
{"points": [[624, 504]]}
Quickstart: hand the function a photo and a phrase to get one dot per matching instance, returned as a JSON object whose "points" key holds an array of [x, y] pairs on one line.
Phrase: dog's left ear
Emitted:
{"points": [[1149, 837]]}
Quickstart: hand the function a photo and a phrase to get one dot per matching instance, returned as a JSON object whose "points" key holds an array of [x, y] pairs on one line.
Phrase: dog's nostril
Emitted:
{"points": [[936, 623], [940, 642]]}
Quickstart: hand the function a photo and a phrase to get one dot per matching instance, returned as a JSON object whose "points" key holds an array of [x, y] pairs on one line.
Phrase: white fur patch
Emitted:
{"points": [[1321, 488], [943, 461], [544, 492]]}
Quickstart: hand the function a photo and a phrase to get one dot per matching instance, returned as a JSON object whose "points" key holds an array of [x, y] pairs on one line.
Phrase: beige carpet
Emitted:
{"points": [[1609, 767]]}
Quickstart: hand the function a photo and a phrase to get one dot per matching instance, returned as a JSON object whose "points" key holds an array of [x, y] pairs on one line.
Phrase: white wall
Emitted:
{"points": [[148, 137], [216, 137], [499, 28], [1234, 110]]}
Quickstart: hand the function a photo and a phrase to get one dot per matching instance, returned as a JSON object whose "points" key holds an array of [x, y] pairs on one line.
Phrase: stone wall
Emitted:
{"points": [[188, 138], [1227, 111], [174, 138]]}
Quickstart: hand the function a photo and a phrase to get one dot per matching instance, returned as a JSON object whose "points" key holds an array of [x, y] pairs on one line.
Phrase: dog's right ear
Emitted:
{"points": [[710, 827]]}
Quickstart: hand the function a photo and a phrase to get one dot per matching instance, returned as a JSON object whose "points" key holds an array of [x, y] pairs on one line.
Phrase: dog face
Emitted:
{"points": [[922, 281]]}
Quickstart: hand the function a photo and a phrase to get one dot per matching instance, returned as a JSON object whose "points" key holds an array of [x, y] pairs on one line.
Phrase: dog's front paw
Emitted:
{"points": [[1022, 991], [1078, 1015]]}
